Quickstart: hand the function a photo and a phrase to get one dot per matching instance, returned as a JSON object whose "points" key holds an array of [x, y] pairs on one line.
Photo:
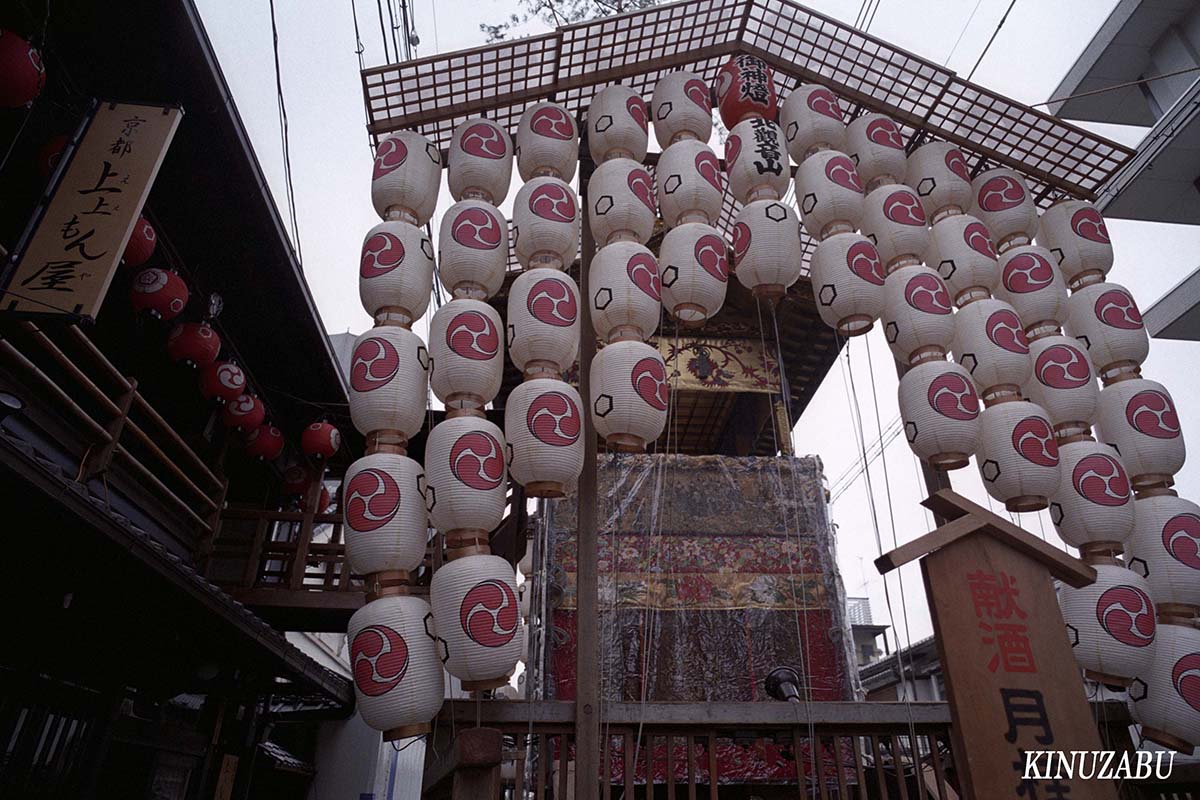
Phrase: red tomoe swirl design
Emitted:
{"points": [[841, 170], [553, 419], [953, 396], [733, 146], [824, 102], [957, 164], [697, 92], [1027, 272], [1000, 194], [390, 156], [1152, 414], [1034, 440], [710, 255], [1061, 366], [489, 613], [883, 131], [485, 140], [979, 239], [1127, 615], [1181, 539], [904, 208], [374, 364], [476, 228], [709, 169], [472, 335], [643, 271], [642, 187], [378, 659], [1116, 309], [1088, 224], [553, 123], [372, 500], [476, 461], [1004, 330], [926, 292], [863, 260], [649, 380], [1185, 677], [552, 201], [636, 107], [741, 242], [1101, 479], [552, 302], [381, 254]]}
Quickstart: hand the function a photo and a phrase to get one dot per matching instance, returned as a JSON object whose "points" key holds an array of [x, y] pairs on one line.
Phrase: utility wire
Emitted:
{"points": [[966, 25], [988, 46], [1116, 86], [283, 132]]}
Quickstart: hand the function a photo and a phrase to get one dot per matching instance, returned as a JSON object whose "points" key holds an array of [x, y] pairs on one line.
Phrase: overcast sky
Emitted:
{"points": [[331, 164]]}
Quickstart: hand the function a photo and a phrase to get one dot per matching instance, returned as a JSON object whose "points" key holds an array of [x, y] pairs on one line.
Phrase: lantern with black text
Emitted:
{"points": [[1064, 383], [918, 317], [1074, 231], [1017, 456], [623, 206], [681, 109], [24, 77], [745, 88], [811, 118], [543, 321], [960, 249], [265, 443], [389, 377], [618, 124], [466, 477], [1094, 501], [1033, 286], [479, 161], [159, 292], [384, 510], [829, 194], [756, 161], [937, 172], [1110, 624], [546, 224], [940, 410], [395, 273], [476, 614], [848, 281], [1167, 703], [193, 343], [466, 343], [473, 249], [244, 413], [406, 178], [895, 221], [990, 341], [1002, 202], [1106, 320], [766, 248], [1165, 547], [694, 272], [877, 147], [543, 426], [222, 381], [320, 440], [629, 395], [626, 291], [547, 143], [690, 183], [1138, 417]]}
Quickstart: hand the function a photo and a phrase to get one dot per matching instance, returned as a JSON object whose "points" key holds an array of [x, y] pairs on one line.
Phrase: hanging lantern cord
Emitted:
{"points": [[411, 742]]}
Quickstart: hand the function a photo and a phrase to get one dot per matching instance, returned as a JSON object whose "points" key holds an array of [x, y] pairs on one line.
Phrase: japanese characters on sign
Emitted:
{"points": [[68, 258]]}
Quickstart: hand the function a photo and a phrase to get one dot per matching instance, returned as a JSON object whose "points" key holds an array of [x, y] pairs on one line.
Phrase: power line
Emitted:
{"points": [[1115, 86], [966, 25], [988, 46]]}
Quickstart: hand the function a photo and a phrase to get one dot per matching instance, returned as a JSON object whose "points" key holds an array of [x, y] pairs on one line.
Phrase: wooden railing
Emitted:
{"points": [[109, 425]]}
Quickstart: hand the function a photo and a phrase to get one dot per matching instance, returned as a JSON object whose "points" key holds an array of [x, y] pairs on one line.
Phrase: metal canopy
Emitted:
{"points": [[433, 94]]}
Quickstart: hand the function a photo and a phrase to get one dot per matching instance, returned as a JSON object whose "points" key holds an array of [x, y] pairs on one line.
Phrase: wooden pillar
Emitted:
{"points": [[587, 644]]}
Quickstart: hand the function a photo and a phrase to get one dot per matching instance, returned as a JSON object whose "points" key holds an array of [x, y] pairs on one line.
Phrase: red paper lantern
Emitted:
{"points": [[320, 440], [160, 292], [50, 154], [746, 88], [265, 443], [245, 413], [23, 76], [222, 381], [322, 504], [141, 243], [193, 343], [296, 479]]}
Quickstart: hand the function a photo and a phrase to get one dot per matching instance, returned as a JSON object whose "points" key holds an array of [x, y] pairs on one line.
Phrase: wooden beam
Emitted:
{"points": [[471, 768], [935, 539]]}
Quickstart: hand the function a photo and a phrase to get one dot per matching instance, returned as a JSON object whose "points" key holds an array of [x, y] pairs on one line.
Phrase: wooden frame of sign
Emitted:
{"points": [[1013, 684]]}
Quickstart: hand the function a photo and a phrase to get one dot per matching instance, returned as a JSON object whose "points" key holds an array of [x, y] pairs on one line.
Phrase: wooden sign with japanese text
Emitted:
{"points": [[1013, 684], [67, 260]]}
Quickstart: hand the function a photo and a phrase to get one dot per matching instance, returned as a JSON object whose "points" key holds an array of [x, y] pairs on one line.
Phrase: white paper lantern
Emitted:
{"points": [[396, 665], [990, 342], [812, 120], [938, 173], [829, 194], [894, 219], [630, 391], [940, 410], [1138, 417], [1110, 624], [1074, 231], [622, 204], [1017, 455], [406, 178], [918, 319], [1165, 547], [476, 614], [1094, 502], [1064, 383], [1106, 319], [847, 279], [682, 109], [960, 249], [473, 249], [395, 272], [467, 346], [479, 161], [618, 124], [543, 426], [694, 272], [1002, 202], [389, 379], [546, 224], [547, 143], [626, 291], [690, 183], [543, 321], [773, 263], [464, 469], [875, 144], [1168, 705], [1033, 286], [383, 507], [756, 161]]}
